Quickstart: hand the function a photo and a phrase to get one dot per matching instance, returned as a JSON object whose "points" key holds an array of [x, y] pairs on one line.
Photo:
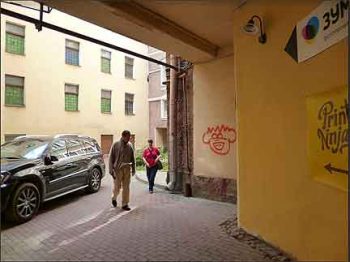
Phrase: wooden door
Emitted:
{"points": [[106, 143], [132, 140]]}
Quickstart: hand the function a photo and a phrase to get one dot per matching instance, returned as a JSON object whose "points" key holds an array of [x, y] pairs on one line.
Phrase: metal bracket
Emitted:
{"points": [[39, 24]]}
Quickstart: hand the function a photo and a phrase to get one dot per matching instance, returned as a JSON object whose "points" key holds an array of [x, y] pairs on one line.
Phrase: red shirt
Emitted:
{"points": [[151, 154]]}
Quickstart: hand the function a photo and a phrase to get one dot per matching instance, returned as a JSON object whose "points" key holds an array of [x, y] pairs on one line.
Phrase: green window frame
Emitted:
{"points": [[106, 61], [129, 104], [72, 52], [14, 90], [71, 97], [14, 39], [106, 101], [129, 67]]}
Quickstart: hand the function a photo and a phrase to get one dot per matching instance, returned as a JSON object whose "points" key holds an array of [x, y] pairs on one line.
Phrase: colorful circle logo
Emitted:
{"points": [[311, 29]]}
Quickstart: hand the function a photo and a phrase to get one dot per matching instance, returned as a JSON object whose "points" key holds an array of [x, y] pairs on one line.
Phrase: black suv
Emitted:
{"points": [[35, 169]]}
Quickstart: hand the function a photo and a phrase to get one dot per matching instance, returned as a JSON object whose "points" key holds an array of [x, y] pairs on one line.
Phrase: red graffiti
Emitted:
{"points": [[220, 138]]}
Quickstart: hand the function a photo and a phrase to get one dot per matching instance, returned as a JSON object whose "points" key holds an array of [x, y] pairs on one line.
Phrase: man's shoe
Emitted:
{"points": [[126, 208], [114, 203], [151, 191]]}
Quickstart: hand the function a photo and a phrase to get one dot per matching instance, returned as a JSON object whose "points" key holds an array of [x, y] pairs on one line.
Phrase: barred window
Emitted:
{"points": [[129, 67], [106, 61], [72, 52], [14, 39], [129, 104], [106, 97], [71, 93], [14, 90]]}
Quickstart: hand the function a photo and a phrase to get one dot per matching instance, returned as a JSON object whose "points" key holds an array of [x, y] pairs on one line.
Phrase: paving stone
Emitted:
{"points": [[160, 227]]}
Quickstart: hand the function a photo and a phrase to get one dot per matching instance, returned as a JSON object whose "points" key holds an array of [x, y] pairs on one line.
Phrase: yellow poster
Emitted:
{"points": [[328, 137]]}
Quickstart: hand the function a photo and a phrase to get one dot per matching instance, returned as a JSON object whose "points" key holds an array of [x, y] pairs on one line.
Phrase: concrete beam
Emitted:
{"points": [[140, 14], [158, 32]]}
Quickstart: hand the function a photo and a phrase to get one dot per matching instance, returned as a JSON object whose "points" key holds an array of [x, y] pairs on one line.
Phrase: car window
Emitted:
{"points": [[59, 149], [75, 147], [27, 148], [91, 146]]}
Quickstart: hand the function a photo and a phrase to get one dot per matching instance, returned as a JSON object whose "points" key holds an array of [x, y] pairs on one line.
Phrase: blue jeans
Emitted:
{"points": [[151, 175]]}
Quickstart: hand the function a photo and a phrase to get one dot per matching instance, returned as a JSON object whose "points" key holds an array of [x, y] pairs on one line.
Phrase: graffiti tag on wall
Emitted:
{"points": [[219, 138]]}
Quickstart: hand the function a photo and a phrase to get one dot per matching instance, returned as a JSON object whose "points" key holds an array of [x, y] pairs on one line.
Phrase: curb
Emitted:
{"points": [[137, 176]]}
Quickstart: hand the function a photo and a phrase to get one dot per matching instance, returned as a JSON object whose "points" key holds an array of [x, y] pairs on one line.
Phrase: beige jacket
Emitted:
{"points": [[121, 154]]}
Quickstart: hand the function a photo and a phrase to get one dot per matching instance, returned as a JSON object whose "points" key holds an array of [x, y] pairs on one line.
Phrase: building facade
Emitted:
{"points": [[53, 83], [157, 99]]}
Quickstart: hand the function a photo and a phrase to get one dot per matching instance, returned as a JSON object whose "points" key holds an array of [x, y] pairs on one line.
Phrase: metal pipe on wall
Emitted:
{"points": [[187, 169], [172, 125]]}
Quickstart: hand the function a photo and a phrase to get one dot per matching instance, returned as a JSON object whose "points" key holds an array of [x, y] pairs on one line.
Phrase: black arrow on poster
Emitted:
{"points": [[332, 169], [292, 45]]}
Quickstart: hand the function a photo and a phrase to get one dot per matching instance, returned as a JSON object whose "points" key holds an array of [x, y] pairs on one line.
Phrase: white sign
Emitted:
{"points": [[322, 28]]}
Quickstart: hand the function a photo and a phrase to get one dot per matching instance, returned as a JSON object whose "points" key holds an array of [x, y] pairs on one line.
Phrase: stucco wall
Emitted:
{"points": [[214, 148], [278, 198], [45, 72], [214, 106], [155, 89], [155, 120]]}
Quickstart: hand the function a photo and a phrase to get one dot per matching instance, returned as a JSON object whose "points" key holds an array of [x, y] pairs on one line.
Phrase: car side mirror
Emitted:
{"points": [[47, 160]]}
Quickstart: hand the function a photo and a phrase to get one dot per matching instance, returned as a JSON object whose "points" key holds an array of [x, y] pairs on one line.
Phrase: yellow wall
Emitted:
{"points": [[214, 104], [278, 199], [45, 72]]}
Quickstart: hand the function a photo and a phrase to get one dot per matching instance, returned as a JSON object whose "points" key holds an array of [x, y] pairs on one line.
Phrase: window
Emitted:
{"points": [[14, 90], [106, 97], [71, 93], [129, 67], [72, 52], [75, 147], [9, 137], [14, 39], [129, 104], [105, 61], [91, 146], [59, 149], [164, 109], [163, 77], [27, 148]]}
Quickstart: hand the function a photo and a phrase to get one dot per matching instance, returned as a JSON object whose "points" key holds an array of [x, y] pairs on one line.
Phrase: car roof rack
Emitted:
{"points": [[30, 136], [65, 135]]}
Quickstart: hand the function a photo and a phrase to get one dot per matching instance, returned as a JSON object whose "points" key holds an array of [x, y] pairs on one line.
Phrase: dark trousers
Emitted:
{"points": [[151, 175]]}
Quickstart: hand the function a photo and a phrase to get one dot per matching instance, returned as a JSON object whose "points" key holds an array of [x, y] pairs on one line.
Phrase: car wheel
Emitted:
{"points": [[24, 203], [94, 180]]}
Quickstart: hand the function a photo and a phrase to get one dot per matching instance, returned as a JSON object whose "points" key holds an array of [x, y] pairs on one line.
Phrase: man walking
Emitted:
{"points": [[121, 159]]}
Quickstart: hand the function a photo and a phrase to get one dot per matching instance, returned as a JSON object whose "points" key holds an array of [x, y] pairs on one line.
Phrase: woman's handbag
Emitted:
{"points": [[159, 165]]}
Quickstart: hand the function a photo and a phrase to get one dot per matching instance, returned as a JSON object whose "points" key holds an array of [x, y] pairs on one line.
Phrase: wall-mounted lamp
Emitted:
{"points": [[251, 28]]}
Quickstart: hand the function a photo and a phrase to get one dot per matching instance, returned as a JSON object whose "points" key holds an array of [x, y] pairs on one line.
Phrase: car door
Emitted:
{"points": [[58, 172], [78, 159]]}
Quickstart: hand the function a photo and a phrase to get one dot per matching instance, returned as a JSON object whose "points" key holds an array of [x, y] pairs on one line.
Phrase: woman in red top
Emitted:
{"points": [[151, 156]]}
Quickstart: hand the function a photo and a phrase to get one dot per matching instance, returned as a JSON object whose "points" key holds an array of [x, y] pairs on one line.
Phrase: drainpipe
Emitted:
{"points": [[187, 169], [172, 125]]}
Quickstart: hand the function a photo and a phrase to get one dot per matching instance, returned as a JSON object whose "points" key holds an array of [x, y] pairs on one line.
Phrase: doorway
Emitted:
{"points": [[106, 143]]}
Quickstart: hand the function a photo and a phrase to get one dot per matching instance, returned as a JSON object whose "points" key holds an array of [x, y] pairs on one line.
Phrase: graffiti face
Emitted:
{"points": [[220, 138]]}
